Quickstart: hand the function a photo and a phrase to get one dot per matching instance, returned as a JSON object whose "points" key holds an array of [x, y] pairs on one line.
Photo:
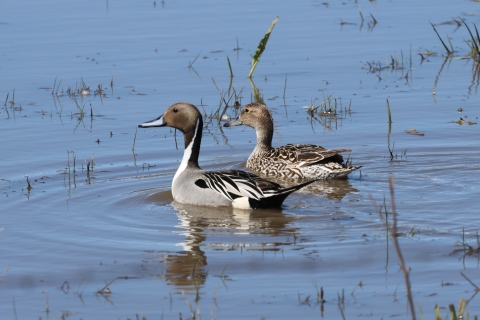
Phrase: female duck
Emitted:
{"points": [[192, 185], [289, 161]]}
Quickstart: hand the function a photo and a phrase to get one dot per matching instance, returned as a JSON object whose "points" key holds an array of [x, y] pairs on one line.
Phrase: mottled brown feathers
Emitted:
{"points": [[292, 160]]}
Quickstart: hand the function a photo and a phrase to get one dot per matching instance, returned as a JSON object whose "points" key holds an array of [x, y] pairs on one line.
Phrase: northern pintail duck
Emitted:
{"points": [[192, 185], [292, 160]]}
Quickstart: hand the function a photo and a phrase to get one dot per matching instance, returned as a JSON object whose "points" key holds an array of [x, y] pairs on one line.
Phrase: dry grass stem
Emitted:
{"points": [[393, 233]]}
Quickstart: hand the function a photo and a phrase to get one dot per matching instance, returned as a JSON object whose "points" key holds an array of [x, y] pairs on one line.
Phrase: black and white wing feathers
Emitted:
{"points": [[232, 184]]}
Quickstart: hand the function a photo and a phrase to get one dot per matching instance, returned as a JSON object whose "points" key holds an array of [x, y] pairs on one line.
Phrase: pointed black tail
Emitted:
{"points": [[275, 198]]}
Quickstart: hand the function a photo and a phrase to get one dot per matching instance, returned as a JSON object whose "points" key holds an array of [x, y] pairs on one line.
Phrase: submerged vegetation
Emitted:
{"points": [[468, 249], [329, 106], [473, 43]]}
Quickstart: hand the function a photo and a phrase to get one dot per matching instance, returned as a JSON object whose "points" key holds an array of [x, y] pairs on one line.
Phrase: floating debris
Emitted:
{"points": [[428, 53], [414, 131], [85, 91], [462, 121]]}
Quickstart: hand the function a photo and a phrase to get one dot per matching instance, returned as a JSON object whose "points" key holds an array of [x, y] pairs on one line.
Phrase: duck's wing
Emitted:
{"points": [[232, 184], [305, 154]]}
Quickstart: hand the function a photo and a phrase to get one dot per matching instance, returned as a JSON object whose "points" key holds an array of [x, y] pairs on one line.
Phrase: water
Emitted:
{"points": [[73, 231]]}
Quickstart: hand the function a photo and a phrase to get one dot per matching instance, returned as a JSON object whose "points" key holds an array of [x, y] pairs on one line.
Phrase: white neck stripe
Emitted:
{"points": [[186, 155]]}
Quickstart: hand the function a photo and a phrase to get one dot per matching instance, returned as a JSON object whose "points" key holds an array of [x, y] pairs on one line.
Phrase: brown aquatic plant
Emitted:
{"points": [[449, 51], [5, 105], [230, 67], [389, 113], [217, 113], [29, 186], [475, 44], [190, 63], [468, 249], [134, 139]]}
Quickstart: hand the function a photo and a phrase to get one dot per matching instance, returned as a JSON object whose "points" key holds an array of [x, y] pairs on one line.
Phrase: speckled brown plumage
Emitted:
{"points": [[289, 161]]}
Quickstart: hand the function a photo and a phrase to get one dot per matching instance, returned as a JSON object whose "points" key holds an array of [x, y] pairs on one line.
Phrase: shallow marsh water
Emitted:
{"points": [[63, 239]]}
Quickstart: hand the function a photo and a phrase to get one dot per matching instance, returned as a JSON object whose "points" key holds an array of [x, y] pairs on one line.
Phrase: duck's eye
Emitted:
{"points": [[175, 110], [246, 110]]}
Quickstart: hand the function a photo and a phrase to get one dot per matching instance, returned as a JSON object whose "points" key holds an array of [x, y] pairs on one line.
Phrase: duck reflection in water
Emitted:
{"points": [[187, 269]]}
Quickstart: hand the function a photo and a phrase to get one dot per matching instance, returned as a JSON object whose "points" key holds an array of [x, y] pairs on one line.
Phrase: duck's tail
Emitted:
{"points": [[344, 172], [275, 197]]}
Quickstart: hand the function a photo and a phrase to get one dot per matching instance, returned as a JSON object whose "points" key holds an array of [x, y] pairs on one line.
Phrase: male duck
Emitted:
{"points": [[289, 161], [192, 185]]}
